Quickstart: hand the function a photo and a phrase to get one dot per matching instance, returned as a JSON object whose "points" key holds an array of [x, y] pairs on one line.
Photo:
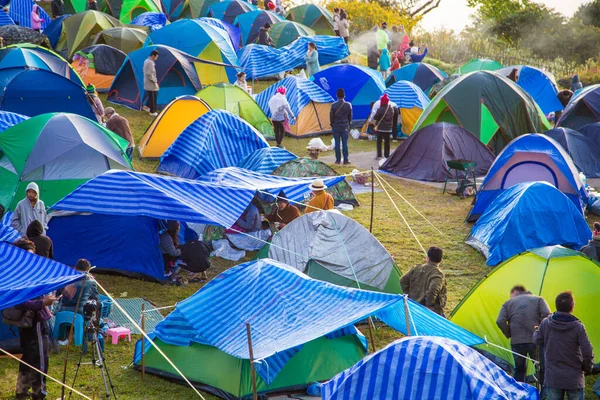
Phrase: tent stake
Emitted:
{"points": [[251, 352], [143, 341], [406, 314], [372, 199]]}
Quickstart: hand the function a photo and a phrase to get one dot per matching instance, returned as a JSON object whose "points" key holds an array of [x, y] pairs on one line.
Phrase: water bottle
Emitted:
{"points": [[583, 179]]}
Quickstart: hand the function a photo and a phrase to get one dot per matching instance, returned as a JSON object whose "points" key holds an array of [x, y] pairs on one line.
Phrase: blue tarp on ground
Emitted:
{"points": [[294, 188], [260, 61], [299, 93], [421, 74], [583, 109], [362, 85], [33, 92], [34, 276], [153, 20], [125, 244], [527, 216], [583, 151], [266, 160], [425, 368], [530, 158], [538, 84], [286, 309], [216, 140]]}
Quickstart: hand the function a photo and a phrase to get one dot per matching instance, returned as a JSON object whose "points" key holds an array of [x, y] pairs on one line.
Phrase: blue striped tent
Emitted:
{"points": [[309, 103], [20, 12], [5, 19], [425, 368], [286, 310], [294, 188], [234, 33], [8, 234], [411, 101], [34, 276], [215, 140], [260, 61], [8, 119], [153, 20], [266, 160]]}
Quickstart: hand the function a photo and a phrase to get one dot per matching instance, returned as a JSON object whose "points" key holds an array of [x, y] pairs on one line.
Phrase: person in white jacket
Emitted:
{"points": [[29, 209]]}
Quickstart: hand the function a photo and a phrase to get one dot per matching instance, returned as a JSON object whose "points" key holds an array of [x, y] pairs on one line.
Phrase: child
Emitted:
{"points": [[384, 63]]}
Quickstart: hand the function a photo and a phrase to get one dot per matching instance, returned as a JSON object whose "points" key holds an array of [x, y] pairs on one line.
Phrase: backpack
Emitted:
{"points": [[19, 318]]}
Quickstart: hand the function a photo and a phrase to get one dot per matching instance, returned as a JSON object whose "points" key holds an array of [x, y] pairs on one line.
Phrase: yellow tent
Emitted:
{"points": [[167, 126], [312, 120]]}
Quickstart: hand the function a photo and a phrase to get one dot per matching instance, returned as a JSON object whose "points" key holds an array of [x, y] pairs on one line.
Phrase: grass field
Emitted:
{"points": [[463, 267]]}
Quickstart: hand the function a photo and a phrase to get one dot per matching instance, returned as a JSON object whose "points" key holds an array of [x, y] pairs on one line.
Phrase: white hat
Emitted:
{"points": [[33, 186], [317, 185]]}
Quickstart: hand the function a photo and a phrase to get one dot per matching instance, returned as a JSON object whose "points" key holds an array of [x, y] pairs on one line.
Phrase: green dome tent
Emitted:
{"points": [[479, 64], [285, 32], [307, 167], [338, 250], [546, 272], [81, 29], [490, 106], [58, 151], [315, 17], [224, 96], [123, 38]]}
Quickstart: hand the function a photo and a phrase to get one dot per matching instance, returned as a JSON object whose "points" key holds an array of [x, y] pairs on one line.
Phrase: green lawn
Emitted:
{"points": [[463, 267]]}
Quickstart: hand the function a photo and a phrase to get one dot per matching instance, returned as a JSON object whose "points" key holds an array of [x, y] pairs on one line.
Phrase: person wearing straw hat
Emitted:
{"points": [[321, 200]]}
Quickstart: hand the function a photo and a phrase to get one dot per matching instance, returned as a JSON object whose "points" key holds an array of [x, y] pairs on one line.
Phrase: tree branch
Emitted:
{"points": [[425, 8]]}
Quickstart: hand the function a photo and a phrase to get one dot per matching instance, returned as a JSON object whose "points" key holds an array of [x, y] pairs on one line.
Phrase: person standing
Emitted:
{"points": [[340, 119], [91, 5], [280, 113], [426, 283], [344, 26], [312, 59], [120, 126], [43, 244], [36, 20], [321, 200], [263, 35], [383, 39], [575, 83], [567, 351], [29, 209], [336, 19], [592, 249], [58, 8], [34, 342], [372, 52], [95, 102], [384, 63], [517, 320], [151, 82], [384, 125]]}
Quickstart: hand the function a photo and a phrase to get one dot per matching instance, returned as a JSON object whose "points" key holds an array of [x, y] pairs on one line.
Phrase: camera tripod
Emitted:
{"points": [[98, 359]]}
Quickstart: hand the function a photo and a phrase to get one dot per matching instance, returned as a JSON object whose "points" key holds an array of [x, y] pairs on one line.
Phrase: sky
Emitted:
{"points": [[454, 14]]}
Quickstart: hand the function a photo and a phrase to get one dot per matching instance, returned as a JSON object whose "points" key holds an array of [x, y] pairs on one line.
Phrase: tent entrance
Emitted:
{"points": [[529, 171]]}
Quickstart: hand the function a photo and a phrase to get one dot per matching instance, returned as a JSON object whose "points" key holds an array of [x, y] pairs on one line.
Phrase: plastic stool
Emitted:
{"points": [[66, 318], [116, 333]]}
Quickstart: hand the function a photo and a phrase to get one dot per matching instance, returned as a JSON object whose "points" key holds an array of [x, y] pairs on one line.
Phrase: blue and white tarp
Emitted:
{"points": [[8, 119], [5, 19], [20, 13], [24, 276], [407, 95], [285, 309], [294, 188], [153, 20], [259, 61], [299, 93], [8, 234], [425, 368], [267, 159], [216, 140]]}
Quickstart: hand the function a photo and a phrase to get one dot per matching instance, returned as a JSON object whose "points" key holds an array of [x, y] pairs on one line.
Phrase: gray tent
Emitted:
{"points": [[584, 152], [329, 246], [424, 154]]}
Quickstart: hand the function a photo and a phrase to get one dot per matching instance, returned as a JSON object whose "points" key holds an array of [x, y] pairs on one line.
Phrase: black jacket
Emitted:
{"points": [[264, 38], [592, 249], [384, 118], [340, 116], [43, 244]]}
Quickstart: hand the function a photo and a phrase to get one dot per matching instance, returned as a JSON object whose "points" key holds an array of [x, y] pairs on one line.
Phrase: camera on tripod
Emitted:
{"points": [[90, 308]]}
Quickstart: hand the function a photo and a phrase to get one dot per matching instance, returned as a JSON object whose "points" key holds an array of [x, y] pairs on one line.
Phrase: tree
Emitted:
{"points": [[589, 13], [494, 10], [365, 15], [410, 8]]}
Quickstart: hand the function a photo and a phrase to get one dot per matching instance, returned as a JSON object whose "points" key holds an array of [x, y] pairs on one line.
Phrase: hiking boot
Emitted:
{"points": [[347, 162]]}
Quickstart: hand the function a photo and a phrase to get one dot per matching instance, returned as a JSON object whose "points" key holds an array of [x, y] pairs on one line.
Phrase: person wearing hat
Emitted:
{"points": [[321, 200], [340, 119], [95, 102], [384, 124], [263, 35], [120, 126], [284, 212], [29, 209], [280, 113]]}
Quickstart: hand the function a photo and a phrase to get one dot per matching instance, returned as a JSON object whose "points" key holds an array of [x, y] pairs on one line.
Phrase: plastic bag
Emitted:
{"points": [[317, 143], [355, 134]]}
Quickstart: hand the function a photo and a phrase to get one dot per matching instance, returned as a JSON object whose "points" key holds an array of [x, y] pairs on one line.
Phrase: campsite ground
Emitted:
{"points": [[463, 267]]}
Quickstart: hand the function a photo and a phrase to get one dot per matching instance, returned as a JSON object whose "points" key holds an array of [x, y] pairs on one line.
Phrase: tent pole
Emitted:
{"points": [[143, 341], [371, 334], [64, 379], [251, 353], [372, 199], [406, 315]]}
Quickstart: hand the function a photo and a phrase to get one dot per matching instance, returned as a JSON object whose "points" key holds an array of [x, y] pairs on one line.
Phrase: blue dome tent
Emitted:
{"points": [[362, 85], [228, 10], [33, 92], [538, 84], [530, 158], [592, 132], [583, 151], [250, 23], [216, 140], [234, 33], [583, 109], [421, 74], [527, 216], [174, 69]]}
